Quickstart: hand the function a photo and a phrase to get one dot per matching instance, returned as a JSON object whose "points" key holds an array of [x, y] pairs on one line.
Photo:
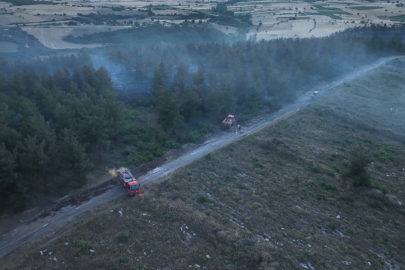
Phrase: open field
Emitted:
{"points": [[273, 200], [328, 16], [8, 46], [51, 37]]}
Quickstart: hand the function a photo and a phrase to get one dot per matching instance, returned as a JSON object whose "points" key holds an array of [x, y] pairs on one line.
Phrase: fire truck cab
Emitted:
{"points": [[128, 182]]}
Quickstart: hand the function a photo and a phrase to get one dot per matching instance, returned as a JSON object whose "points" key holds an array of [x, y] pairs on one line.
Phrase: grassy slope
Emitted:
{"points": [[260, 205]]}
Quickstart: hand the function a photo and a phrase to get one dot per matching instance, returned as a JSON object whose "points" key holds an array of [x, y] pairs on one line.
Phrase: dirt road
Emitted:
{"points": [[71, 207]]}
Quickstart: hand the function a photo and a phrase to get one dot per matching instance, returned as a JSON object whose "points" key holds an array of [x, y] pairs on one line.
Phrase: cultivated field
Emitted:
{"points": [[274, 200], [271, 19]]}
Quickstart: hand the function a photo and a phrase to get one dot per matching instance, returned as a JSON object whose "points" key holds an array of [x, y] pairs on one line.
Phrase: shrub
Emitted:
{"points": [[315, 169], [83, 245], [328, 186], [357, 170], [123, 236], [384, 156], [346, 198], [172, 145], [202, 199], [122, 259], [333, 225]]}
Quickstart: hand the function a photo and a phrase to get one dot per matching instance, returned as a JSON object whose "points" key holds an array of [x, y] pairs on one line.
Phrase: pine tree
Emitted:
{"points": [[72, 154], [11, 189]]}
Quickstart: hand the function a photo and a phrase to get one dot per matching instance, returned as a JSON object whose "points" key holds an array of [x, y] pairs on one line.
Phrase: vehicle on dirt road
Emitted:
{"points": [[228, 121], [128, 182]]}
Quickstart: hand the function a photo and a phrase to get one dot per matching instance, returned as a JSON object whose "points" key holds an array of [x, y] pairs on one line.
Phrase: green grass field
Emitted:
{"points": [[365, 8], [273, 200], [397, 18]]}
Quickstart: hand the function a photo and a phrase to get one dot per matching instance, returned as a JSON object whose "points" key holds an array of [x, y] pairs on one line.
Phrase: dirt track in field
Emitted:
{"points": [[67, 209]]}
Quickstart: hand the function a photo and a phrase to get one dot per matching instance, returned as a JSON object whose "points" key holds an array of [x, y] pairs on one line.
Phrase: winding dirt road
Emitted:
{"points": [[71, 208]]}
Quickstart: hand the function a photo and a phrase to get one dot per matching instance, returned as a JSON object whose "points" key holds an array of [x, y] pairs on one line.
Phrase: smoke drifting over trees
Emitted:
{"points": [[245, 76], [58, 113]]}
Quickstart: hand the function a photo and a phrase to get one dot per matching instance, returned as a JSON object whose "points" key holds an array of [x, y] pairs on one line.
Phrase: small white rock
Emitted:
{"points": [[144, 253], [144, 214], [120, 213], [111, 211], [66, 243], [186, 227], [196, 265], [54, 258], [309, 245], [50, 253], [267, 239], [41, 252], [369, 263], [282, 229], [194, 234], [91, 250], [338, 216], [207, 256], [181, 228]]}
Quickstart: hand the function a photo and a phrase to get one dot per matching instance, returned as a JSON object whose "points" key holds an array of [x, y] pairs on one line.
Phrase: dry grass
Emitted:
{"points": [[263, 203]]}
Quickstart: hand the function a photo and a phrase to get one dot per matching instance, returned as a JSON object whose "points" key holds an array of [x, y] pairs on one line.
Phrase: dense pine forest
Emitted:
{"points": [[59, 115]]}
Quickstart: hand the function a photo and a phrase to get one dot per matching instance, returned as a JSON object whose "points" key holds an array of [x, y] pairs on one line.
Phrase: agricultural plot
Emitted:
{"points": [[275, 200], [11, 19], [8, 47], [397, 18], [266, 15], [51, 37]]}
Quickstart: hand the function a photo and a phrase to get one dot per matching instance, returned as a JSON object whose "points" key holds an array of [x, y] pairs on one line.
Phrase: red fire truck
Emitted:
{"points": [[128, 182], [228, 121]]}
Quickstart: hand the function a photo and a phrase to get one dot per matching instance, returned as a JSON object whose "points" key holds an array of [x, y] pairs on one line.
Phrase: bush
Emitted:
{"points": [[328, 186], [315, 169], [346, 198], [384, 156], [202, 199], [333, 225], [83, 245], [357, 170], [123, 236]]}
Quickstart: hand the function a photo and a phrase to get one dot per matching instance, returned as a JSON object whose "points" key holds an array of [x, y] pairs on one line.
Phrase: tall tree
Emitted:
{"points": [[72, 153], [33, 160], [167, 107], [179, 80], [11, 189]]}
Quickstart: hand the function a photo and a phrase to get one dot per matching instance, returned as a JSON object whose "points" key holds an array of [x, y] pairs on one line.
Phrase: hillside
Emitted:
{"points": [[274, 200]]}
